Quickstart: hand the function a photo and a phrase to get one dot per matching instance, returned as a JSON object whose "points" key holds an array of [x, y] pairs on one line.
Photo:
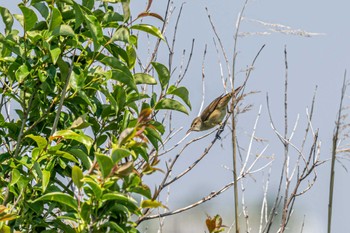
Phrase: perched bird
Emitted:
{"points": [[213, 114]]}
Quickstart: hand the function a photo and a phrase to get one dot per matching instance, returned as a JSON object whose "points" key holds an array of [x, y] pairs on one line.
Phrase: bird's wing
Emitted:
{"points": [[211, 107]]}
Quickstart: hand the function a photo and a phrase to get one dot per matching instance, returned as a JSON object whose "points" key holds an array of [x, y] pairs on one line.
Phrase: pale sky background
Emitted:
{"points": [[319, 60]]}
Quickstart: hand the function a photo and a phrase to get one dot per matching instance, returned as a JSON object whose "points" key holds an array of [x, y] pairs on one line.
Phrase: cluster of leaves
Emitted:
{"points": [[214, 224], [77, 141]]}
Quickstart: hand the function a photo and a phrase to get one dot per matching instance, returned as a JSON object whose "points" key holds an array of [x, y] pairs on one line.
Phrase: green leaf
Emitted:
{"points": [[65, 155], [22, 73], [153, 136], [69, 134], [119, 153], [121, 34], [171, 105], [55, 19], [95, 29], [84, 158], [7, 19], [95, 187], [126, 9], [149, 29], [142, 78], [78, 13], [46, 179], [80, 123], [42, 8], [114, 63], [181, 92], [77, 176], [151, 204], [124, 77], [55, 52], [29, 17], [131, 56], [126, 135], [89, 4], [106, 164], [63, 30], [116, 196], [163, 74], [59, 197], [112, 225], [16, 176], [20, 19], [40, 141]]}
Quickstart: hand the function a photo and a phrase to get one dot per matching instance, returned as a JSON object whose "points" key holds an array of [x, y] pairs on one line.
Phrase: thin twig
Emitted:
{"points": [[334, 153]]}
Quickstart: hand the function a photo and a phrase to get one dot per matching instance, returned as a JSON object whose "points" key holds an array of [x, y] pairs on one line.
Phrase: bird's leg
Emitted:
{"points": [[228, 109], [220, 130]]}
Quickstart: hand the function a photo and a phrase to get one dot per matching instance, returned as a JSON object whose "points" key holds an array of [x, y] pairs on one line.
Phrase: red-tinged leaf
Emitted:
{"points": [[155, 15]]}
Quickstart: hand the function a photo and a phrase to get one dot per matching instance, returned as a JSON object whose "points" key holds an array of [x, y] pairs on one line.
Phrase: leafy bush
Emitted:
{"points": [[77, 127]]}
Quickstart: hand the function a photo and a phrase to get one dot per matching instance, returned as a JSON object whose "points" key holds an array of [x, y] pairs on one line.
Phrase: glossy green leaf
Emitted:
{"points": [[66, 155], [171, 105], [95, 29], [45, 180], [163, 74], [118, 197], [6, 18], [84, 158], [89, 4], [126, 135], [114, 226], [77, 176], [105, 163], [119, 153], [40, 141], [19, 18], [132, 56], [55, 52], [16, 176], [153, 136], [142, 189], [62, 198], [80, 123], [78, 13], [63, 30], [181, 92], [29, 18], [142, 78], [42, 8], [121, 34], [149, 29], [95, 187], [22, 73], [55, 18], [69, 134], [114, 63], [124, 77], [126, 9]]}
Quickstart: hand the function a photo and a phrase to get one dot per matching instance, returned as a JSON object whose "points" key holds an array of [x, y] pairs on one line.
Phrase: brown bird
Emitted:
{"points": [[214, 113]]}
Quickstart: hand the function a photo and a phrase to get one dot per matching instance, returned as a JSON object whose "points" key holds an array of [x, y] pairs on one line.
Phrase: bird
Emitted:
{"points": [[214, 113]]}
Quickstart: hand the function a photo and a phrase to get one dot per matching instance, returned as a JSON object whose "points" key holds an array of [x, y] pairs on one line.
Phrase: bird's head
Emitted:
{"points": [[196, 125]]}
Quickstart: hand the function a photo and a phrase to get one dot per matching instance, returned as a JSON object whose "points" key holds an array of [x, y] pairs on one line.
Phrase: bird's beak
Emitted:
{"points": [[189, 131]]}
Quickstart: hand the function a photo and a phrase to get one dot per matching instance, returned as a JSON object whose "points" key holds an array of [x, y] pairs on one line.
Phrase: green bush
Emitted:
{"points": [[76, 126]]}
